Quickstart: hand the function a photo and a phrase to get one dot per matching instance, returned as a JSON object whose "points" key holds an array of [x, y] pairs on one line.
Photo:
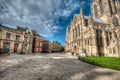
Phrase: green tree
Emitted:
{"points": [[56, 42]]}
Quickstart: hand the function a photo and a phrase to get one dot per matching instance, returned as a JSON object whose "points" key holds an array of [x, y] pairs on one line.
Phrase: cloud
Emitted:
{"points": [[39, 15], [67, 8]]}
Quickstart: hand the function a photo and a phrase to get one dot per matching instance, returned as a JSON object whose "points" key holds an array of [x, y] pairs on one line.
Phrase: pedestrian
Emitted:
{"points": [[72, 53], [34, 52]]}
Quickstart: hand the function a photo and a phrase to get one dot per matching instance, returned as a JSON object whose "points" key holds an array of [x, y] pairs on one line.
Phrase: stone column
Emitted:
{"points": [[72, 34], [113, 6], [105, 43], [94, 48], [76, 32], [99, 9]]}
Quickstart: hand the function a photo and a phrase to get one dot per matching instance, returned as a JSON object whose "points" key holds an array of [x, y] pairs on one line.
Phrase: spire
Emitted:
{"points": [[81, 13], [90, 19]]}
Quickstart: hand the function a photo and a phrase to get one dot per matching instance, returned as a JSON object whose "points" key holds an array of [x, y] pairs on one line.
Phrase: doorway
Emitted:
{"points": [[15, 47], [75, 49]]}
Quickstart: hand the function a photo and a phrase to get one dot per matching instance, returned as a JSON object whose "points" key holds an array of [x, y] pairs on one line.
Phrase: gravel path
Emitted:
{"points": [[52, 67]]}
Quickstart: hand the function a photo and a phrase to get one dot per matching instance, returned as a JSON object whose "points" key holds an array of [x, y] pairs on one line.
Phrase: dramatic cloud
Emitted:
{"points": [[40, 15]]}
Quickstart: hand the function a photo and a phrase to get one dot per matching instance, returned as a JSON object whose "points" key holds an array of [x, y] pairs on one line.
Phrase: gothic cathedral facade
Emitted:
{"points": [[97, 34]]}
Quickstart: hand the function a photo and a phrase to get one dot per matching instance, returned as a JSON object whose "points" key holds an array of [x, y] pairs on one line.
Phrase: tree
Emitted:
{"points": [[56, 42]]}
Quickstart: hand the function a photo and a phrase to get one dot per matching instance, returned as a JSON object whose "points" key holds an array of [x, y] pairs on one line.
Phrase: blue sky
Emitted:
{"points": [[48, 17]]}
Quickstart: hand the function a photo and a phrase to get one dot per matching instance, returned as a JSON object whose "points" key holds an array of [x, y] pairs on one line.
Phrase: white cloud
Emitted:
{"points": [[39, 15], [70, 6]]}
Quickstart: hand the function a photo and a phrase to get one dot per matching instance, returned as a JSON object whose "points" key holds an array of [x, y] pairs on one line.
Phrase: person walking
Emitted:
{"points": [[34, 52]]}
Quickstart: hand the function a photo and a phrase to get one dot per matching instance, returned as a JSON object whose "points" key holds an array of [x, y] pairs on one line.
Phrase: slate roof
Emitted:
{"points": [[95, 20], [20, 28], [38, 35], [7, 27]]}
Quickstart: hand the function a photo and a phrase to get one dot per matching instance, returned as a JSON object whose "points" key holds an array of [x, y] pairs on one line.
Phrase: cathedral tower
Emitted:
{"points": [[105, 9]]}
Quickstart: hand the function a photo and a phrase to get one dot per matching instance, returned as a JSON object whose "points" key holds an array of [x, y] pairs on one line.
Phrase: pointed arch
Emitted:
{"points": [[78, 30], [114, 5], [109, 2], [101, 6], [96, 10]]}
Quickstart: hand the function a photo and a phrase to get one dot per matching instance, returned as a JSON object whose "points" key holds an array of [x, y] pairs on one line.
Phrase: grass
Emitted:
{"points": [[107, 62]]}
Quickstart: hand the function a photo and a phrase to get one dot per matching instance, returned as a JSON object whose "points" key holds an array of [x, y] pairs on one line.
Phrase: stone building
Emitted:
{"points": [[27, 39], [97, 34], [40, 44], [17, 40], [37, 43], [57, 48], [46, 46]]}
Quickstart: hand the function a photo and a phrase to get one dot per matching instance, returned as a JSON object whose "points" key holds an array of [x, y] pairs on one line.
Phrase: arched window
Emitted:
{"points": [[101, 6], [80, 42], [96, 10], [76, 33], [78, 30], [86, 22], [115, 22], [88, 42], [73, 34], [115, 35], [108, 41], [110, 34], [109, 2], [114, 51], [110, 51], [114, 5]]}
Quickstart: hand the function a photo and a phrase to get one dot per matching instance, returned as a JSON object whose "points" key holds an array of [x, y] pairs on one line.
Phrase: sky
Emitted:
{"points": [[48, 17]]}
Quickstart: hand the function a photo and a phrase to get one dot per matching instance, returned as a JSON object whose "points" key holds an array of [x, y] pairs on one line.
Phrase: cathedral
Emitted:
{"points": [[97, 34]]}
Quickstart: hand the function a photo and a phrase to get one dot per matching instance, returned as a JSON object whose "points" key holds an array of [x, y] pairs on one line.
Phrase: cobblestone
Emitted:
{"points": [[52, 67]]}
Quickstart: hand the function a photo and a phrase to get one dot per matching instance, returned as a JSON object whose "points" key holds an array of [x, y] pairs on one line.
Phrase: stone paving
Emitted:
{"points": [[52, 67]]}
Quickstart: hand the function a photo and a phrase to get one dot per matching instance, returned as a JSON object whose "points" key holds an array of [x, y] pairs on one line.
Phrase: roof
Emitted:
{"points": [[38, 35], [95, 20], [7, 27], [20, 28]]}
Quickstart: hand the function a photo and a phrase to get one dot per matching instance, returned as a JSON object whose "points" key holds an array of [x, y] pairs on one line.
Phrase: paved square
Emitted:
{"points": [[57, 66]]}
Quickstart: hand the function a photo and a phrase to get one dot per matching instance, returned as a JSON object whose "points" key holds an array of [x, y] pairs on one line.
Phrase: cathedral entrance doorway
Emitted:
{"points": [[74, 50]]}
